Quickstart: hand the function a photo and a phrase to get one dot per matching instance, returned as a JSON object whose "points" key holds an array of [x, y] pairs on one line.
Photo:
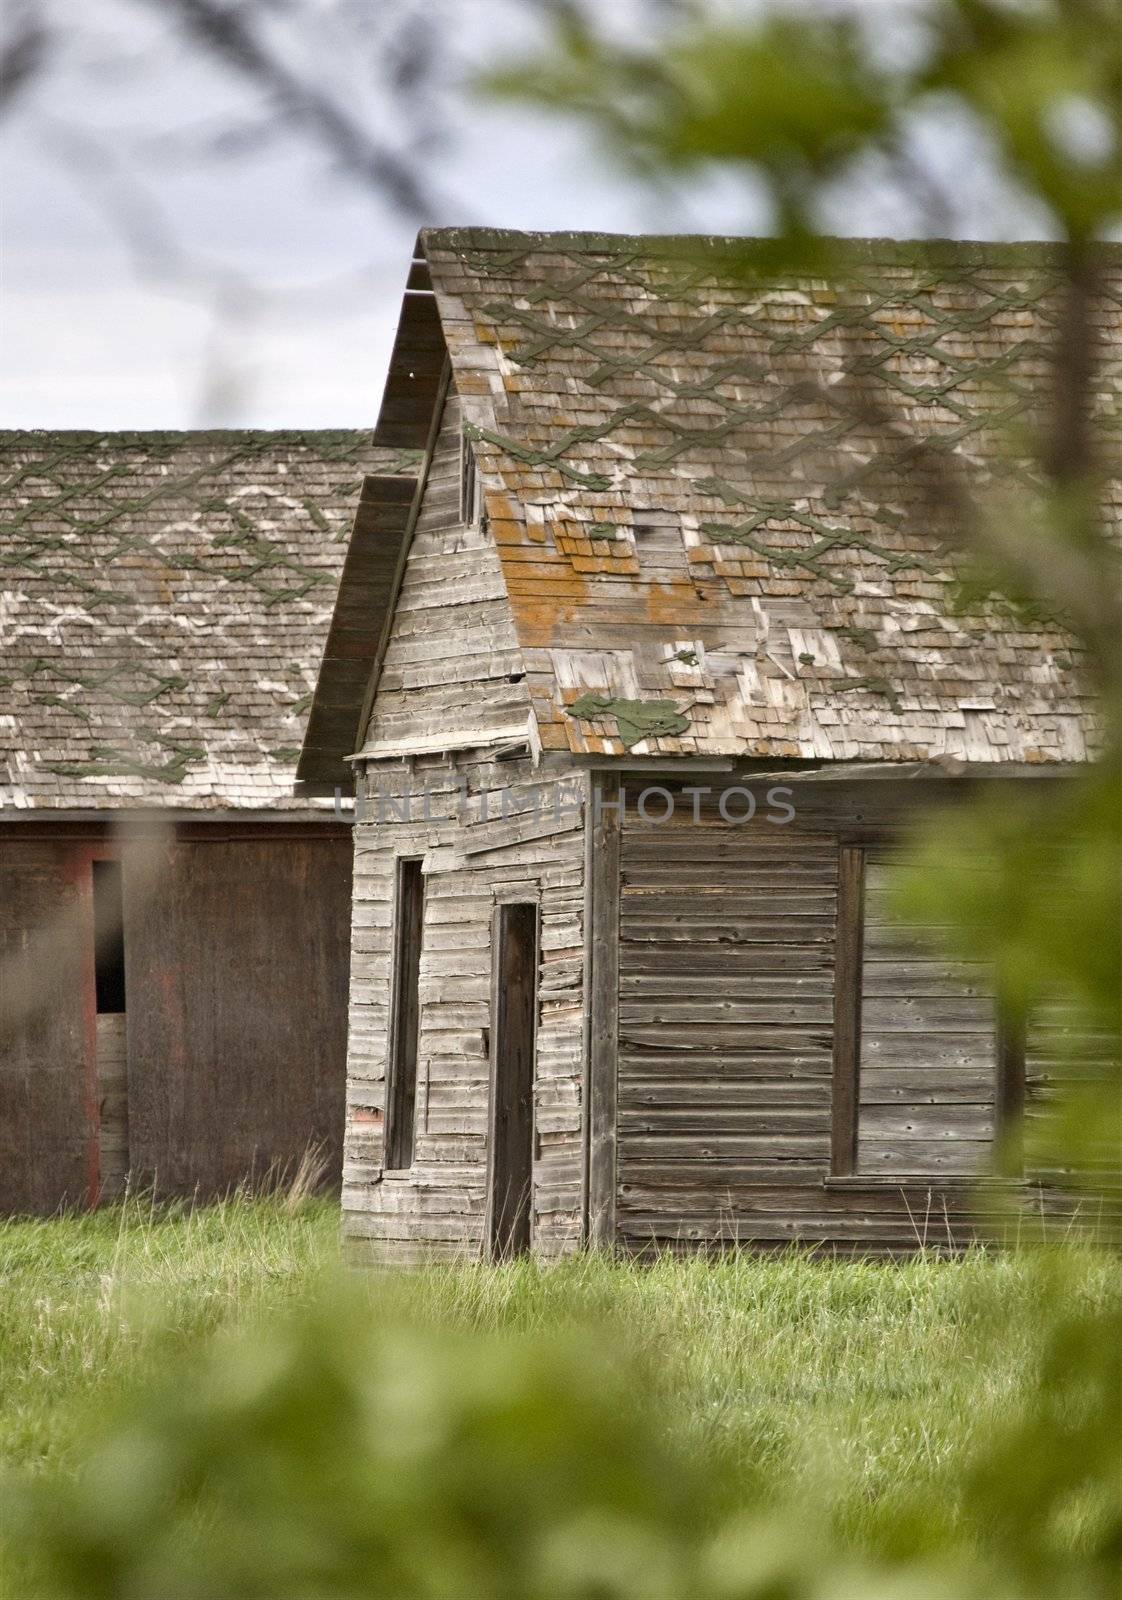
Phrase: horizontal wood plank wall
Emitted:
{"points": [[452, 661], [511, 848], [726, 1033], [44, 1127], [236, 974], [726, 984]]}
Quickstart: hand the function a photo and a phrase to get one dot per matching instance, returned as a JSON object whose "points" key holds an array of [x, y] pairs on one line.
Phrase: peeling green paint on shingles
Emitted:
{"points": [[164, 598], [603, 377], [635, 720]]}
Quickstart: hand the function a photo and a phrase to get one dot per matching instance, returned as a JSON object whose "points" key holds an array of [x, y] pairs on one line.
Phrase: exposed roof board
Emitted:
{"points": [[366, 592], [164, 601]]}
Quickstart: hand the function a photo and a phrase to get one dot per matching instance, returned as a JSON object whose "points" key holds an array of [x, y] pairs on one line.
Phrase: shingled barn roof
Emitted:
{"points": [[719, 497], [164, 599]]}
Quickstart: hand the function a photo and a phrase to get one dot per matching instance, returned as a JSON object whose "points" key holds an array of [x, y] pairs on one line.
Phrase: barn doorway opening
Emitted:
{"points": [[514, 1025], [112, 1056]]}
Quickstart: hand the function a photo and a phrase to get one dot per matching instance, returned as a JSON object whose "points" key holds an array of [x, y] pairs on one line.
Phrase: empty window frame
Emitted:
{"points": [[401, 1087], [925, 1075]]}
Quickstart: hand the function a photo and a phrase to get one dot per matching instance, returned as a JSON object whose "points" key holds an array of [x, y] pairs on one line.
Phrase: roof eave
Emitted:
{"points": [[366, 590], [416, 365]]}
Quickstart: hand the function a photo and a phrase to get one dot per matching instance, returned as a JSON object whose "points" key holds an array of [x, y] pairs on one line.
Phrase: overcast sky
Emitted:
{"points": [[156, 273]]}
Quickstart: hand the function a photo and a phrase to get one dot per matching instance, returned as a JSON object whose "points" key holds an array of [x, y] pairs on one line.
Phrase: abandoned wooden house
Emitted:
{"points": [[173, 997], [638, 696]]}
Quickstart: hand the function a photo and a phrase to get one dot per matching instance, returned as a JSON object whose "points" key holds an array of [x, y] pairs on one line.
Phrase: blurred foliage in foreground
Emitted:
{"points": [[254, 1426]]}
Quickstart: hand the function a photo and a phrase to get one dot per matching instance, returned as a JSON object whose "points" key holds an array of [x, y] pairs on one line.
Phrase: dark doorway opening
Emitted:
{"points": [[514, 1022]]}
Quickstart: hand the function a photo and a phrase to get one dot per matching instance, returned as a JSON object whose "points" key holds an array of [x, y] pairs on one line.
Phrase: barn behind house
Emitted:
{"points": [[173, 923], [665, 656]]}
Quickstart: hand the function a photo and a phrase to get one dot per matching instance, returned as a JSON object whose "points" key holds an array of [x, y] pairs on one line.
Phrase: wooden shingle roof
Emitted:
{"points": [[164, 600], [709, 534]]}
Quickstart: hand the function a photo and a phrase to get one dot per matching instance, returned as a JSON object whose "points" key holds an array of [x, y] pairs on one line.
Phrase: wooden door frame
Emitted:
{"points": [[490, 1220]]}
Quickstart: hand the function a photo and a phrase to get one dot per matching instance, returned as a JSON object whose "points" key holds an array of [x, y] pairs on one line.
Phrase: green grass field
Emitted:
{"points": [[861, 1389]]}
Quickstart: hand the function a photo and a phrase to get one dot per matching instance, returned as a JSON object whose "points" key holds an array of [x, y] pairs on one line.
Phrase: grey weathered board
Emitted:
{"points": [[451, 660], [741, 955], [751, 910]]}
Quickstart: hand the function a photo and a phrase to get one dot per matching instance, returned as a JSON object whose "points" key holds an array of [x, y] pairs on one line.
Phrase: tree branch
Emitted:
{"points": [[226, 33]]}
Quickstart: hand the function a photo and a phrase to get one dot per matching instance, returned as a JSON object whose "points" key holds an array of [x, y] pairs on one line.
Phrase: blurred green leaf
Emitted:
{"points": [[333, 1455]]}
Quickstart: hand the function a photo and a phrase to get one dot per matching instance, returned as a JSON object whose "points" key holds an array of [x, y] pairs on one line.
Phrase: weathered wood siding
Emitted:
{"points": [[44, 1116], [725, 1006], [451, 661], [236, 977], [509, 846], [728, 938]]}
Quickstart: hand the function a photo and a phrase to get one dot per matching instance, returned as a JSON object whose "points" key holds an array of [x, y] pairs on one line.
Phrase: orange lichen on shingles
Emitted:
{"points": [[677, 603], [541, 611]]}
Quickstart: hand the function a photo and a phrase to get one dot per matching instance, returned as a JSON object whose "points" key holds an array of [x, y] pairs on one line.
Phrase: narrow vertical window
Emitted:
{"points": [[112, 1059], [401, 1090], [470, 501]]}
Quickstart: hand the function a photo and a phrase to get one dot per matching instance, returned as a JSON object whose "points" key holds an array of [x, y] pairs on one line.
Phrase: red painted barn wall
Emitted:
{"points": [[236, 973]]}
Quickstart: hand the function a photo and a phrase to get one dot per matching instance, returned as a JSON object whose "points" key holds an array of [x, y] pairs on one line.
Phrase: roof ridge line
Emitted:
{"points": [[902, 251]]}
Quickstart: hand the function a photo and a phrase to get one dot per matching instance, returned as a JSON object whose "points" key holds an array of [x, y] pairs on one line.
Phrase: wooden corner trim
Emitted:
{"points": [[603, 822]]}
